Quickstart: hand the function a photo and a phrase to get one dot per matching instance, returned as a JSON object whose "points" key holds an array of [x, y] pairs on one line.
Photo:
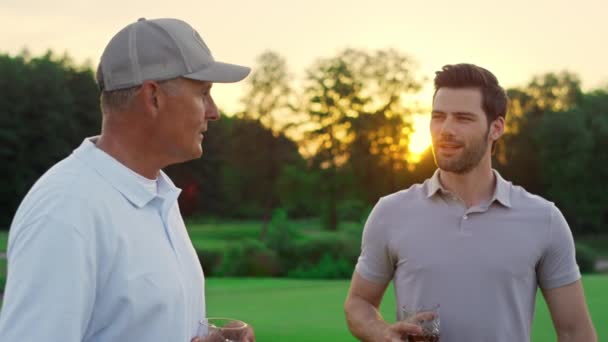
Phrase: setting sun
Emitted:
{"points": [[420, 139]]}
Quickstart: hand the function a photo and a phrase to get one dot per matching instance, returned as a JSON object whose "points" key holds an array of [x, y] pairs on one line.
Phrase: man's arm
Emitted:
{"points": [[569, 313], [363, 317]]}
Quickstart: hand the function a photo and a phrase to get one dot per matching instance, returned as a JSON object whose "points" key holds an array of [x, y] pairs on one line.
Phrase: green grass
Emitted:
{"points": [[311, 310], [596, 294]]}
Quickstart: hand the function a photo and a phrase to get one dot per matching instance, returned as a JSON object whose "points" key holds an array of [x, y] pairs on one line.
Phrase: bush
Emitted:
{"points": [[351, 210], [251, 258], [280, 235], [308, 253], [585, 258], [210, 260], [365, 214], [285, 251], [327, 268]]}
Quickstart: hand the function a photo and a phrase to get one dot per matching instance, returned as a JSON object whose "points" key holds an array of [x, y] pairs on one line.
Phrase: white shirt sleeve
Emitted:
{"points": [[50, 287]]}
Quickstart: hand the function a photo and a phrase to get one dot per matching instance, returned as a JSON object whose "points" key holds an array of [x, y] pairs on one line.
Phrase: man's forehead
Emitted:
{"points": [[452, 100]]}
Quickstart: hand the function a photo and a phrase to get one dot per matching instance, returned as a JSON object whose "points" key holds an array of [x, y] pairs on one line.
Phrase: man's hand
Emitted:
{"points": [[364, 319], [249, 335], [398, 331]]}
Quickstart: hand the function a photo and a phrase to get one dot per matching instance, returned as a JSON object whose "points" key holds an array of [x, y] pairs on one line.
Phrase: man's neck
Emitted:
{"points": [[129, 154], [474, 187]]}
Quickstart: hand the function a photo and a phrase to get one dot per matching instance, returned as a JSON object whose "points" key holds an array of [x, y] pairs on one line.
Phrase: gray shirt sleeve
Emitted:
{"points": [[558, 263], [374, 263]]}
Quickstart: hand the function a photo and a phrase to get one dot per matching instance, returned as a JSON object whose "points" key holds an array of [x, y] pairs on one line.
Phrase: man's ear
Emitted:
{"points": [[497, 128], [151, 97]]}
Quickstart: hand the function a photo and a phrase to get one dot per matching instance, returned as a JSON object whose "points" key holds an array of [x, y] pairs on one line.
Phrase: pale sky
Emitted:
{"points": [[514, 39]]}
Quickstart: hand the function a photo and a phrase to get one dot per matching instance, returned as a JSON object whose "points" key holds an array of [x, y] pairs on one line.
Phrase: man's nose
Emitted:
{"points": [[447, 126], [211, 111]]}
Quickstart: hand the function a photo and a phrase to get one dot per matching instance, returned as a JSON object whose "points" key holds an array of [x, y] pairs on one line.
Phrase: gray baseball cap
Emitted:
{"points": [[161, 49]]}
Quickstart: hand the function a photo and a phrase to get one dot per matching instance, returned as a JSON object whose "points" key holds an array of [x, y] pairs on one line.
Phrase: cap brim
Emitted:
{"points": [[219, 72]]}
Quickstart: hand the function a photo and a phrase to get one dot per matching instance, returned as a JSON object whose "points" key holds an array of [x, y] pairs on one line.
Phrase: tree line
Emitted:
{"points": [[328, 148]]}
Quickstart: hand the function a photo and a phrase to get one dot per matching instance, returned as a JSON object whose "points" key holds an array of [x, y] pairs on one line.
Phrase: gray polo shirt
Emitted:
{"points": [[482, 265]]}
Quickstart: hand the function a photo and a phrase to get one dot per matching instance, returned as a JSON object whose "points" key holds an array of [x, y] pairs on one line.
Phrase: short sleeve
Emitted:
{"points": [[374, 263], [558, 263]]}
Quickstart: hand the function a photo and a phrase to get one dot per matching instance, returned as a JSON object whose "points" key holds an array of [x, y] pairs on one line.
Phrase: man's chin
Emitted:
{"points": [[198, 154], [452, 167], [195, 154]]}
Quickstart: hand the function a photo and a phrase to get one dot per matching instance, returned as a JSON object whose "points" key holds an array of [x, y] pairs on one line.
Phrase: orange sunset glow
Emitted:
{"points": [[303, 32]]}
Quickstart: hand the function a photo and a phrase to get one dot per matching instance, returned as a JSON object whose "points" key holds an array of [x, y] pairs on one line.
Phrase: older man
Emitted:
{"points": [[98, 250]]}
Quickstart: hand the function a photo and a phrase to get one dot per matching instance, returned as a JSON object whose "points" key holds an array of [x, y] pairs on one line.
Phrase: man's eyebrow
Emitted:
{"points": [[464, 114]]}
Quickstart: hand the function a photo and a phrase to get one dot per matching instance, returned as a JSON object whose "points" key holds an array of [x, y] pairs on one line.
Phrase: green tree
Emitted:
{"points": [[518, 151], [268, 94], [358, 124], [231, 179], [381, 132], [574, 161], [48, 106], [268, 99], [333, 99]]}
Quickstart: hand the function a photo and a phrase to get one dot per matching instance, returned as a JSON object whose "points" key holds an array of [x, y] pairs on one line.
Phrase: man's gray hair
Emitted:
{"points": [[119, 100]]}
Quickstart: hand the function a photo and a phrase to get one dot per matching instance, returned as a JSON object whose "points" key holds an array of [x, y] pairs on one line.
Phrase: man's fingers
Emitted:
{"points": [[250, 335], [425, 316], [392, 337], [406, 328], [196, 339]]}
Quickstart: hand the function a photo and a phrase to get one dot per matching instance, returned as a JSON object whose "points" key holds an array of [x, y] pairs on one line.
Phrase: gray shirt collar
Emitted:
{"points": [[502, 191]]}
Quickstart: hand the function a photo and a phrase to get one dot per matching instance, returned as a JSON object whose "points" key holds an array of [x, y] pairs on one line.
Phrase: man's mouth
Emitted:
{"points": [[449, 147]]}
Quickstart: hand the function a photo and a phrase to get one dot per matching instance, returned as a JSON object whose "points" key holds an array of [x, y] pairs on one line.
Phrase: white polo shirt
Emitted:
{"points": [[96, 255]]}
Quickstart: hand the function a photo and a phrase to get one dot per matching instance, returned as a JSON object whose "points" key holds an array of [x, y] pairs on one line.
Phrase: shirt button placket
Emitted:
{"points": [[464, 227]]}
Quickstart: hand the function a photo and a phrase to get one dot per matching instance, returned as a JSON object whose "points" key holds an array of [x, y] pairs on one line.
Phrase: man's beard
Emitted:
{"points": [[470, 156]]}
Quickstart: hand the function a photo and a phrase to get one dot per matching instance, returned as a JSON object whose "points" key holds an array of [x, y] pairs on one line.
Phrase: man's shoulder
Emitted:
{"points": [[523, 199], [534, 208], [413, 194], [69, 177], [62, 192]]}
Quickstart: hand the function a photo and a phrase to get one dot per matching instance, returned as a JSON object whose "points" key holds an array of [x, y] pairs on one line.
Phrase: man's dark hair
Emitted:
{"points": [[494, 98]]}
